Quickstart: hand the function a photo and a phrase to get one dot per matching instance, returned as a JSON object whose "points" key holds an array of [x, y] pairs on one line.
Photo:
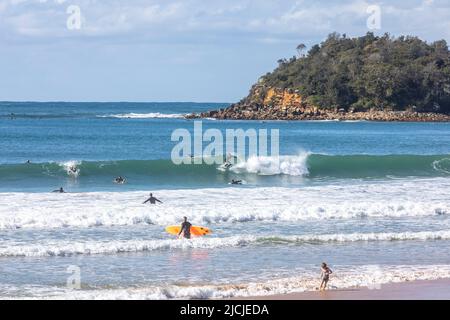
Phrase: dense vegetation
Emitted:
{"points": [[369, 72]]}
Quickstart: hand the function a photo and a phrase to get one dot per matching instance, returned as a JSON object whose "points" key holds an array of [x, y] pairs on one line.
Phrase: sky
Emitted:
{"points": [[179, 50]]}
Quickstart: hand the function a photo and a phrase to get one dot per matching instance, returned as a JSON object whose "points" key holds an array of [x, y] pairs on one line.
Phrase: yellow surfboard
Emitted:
{"points": [[196, 231]]}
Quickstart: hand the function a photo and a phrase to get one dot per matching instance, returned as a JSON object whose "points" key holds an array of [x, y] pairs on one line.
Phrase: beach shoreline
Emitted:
{"points": [[412, 290]]}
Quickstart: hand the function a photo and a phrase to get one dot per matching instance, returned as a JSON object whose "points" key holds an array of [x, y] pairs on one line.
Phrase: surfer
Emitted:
{"points": [[227, 165], [28, 162], [325, 276], [73, 169], [185, 229], [229, 161], [152, 200], [236, 181], [119, 180], [60, 190]]}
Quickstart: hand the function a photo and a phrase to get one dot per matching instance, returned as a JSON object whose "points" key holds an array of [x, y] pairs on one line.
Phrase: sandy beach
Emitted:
{"points": [[414, 290]]}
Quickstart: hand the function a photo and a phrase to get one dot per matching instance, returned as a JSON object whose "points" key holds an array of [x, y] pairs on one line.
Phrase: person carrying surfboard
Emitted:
{"points": [[185, 229], [152, 200]]}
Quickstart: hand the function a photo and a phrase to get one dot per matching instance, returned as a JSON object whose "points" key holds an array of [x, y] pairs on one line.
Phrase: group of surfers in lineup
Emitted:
{"points": [[185, 230]]}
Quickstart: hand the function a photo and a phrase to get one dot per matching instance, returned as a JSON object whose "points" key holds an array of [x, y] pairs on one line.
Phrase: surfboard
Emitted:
{"points": [[196, 231]]}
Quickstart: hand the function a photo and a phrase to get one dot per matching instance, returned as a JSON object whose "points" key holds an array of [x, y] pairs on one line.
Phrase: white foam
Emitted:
{"points": [[145, 115], [288, 165], [71, 167], [442, 165], [372, 276], [400, 198], [69, 248]]}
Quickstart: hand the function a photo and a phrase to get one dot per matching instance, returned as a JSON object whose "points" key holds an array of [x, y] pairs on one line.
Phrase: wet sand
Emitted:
{"points": [[415, 290]]}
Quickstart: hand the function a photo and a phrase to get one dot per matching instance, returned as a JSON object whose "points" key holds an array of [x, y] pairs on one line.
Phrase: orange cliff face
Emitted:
{"points": [[279, 99], [282, 98]]}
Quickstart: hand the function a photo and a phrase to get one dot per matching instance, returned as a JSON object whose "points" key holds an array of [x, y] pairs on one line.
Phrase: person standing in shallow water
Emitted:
{"points": [[324, 276], [152, 200], [185, 229]]}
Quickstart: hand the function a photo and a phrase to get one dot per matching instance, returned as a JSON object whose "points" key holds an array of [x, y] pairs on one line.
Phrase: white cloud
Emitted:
{"points": [[256, 20]]}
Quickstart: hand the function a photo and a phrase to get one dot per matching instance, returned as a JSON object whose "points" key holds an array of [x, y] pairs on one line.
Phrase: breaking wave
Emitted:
{"points": [[212, 205], [368, 276], [150, 115], [306, 165], [64, 248]]}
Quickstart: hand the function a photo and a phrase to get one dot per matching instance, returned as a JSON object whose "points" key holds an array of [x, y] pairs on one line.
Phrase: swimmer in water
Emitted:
{"points": [[60, 190], [152, 200], [236, 181]]}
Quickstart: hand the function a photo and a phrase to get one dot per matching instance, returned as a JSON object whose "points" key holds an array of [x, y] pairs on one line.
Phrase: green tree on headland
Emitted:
{"points": [[369, 72]]}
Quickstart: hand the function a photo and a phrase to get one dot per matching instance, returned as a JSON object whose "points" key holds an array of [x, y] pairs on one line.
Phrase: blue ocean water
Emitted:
{"points": [[362, 196], [105, 140]]}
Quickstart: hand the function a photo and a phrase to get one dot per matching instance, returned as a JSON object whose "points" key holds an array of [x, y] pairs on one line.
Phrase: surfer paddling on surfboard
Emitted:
{"points": [[152, 200], [185, 229], [60, 190]]}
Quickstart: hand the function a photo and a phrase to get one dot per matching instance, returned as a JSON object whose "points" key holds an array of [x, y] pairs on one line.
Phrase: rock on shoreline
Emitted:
{"points": [[284, 104], [393, 116]]}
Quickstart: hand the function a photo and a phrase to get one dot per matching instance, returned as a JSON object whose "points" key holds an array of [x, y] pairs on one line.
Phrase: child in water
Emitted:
{"points": [[324, 276]]}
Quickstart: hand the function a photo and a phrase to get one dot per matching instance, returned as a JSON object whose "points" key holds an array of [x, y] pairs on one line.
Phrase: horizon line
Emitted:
{"points": [[117, 101]]}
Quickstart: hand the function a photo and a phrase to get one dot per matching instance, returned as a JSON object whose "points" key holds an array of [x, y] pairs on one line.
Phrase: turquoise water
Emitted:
{"points": [[370, 198], [103, 142]]}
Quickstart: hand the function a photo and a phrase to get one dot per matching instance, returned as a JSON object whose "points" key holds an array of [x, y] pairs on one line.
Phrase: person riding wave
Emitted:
{"points": [[119, 180]]}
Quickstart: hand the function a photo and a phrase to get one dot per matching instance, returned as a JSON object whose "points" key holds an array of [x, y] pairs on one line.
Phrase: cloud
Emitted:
{"points": [[268, 21], [210, 50]]}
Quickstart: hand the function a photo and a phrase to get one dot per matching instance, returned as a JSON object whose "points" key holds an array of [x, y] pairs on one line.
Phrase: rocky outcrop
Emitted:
{"points": [[265, 103]]}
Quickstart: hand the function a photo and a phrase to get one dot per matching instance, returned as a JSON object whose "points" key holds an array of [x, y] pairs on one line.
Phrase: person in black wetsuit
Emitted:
{"points": [[119, 180], [152, 200], [236, 181], [60, 190], [185, 229], [73, 169]]}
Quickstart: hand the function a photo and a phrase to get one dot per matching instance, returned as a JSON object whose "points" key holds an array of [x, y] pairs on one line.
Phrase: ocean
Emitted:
{"points": [[369, 198]]}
